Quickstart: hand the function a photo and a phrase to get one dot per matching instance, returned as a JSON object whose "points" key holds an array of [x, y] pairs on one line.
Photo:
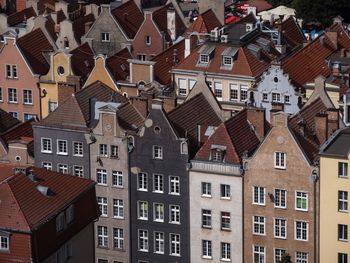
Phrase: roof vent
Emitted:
{"points": [[45, 190], [224, 38]]}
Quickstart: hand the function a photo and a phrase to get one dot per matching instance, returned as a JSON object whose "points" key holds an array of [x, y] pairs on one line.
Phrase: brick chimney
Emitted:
{"points": [[276, 107], [256, 117], [333, 121], [141, 104], [333, 37], [65, 91], [321, 127]]}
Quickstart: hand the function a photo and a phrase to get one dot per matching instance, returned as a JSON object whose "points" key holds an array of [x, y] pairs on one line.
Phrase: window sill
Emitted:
{"points": [[78, 155], [13, 102], [301, 210], [207, 257], [118, 217], [176, 194], [282, 238], [158, 192], [28, 104], [279, 207], [280, 168], [226, 229], [224, 259], [175, 255], [225, 198], [100, 184], [343, 176], [117, 186], [47, 152], [206, 196], [207, 227], [64, 154], [258, 234], [158, 221], [114, 157], [102, 247], [343, 240], [343, 211], [143, 250], [142, 190], [175, 223], [118, 249], [143, 219], [158, 253], [303, 240]]}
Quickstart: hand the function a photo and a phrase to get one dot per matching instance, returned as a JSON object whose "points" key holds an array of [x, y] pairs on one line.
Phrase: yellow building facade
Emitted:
{"points": [[334, 196]]}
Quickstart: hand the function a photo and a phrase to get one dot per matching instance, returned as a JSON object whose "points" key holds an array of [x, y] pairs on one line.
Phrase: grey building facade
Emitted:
{"points": [[159, 193]]}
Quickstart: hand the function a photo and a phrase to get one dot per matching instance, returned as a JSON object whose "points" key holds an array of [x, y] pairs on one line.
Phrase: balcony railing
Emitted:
{"points": [[213, 167]]}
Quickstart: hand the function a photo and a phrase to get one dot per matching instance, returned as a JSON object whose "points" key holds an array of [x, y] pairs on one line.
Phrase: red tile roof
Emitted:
{"points": [[27, 208], [129, 117], [50, 27], [118, 64], [20, 16], [204, 23], [79, 26], [60, 16], [19, 131], [261, 5], [129, 17], [33, 45], [7, 121], [82, 60], [48, 5], [292, 32]]}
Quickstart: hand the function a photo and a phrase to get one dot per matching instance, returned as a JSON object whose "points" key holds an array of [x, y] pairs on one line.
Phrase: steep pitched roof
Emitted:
{"points": [[79, 26], [118, 64], [18, 132], [33, 45], [129, 17], [129, 117], [50, 27], [306, 137], [7, 121], [82, 60], [20, 16], [292, 32], [26, 208], [204, 23]]}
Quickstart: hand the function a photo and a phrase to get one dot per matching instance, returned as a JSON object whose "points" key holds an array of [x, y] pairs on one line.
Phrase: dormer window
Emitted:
{"points": [[204, 59], [227, 60], [217, 153], [4, 242]]}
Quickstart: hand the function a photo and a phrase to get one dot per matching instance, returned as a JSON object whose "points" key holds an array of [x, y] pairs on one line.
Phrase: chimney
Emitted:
{"points": [[256, 117], [169, 103], [141, 104], [276, 107], [157, 104], [333, 121], [321, 127], [319, 84], [65, 91], [333, 37], [187, 46], [171, 23]]}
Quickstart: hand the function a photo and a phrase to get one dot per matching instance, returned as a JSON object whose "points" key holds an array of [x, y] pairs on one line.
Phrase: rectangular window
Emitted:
{"points": [[47, 166], [286, 99], [14, 114], [101, 175], [117, 178], [342, 232], [258, 225], [206, 249], [142, 182], [301, 230], [46, 145], [280, 228], [174, 187], [301, 257], [157, 152], [60, 222], [218, 90], [78, 149], [158, 212], [114, 151], [143, 240], [118, 238], [225, 191], [62, 148], [227, 60], [1, 95], [105, 37], [279, 254], [103, 205], [148, 40], [78, 170], [258, 254], [280, 160], [280, 198], [103, 150], [158, 185], [258, 195], [233, 92], [265, 96], [342, 201], [206, 189], [4, 243], [12, 95], [11, 72], [159, 242], [217, 155], [342, 169], [174, 216], [244, 93], [142, 210], [118, 208], [102, 237], [276, 97], [182, 87], [204, 58], [191, 83], [28, 116], [52, 106], [225, 251], [174, 244], [206, 218], [342, 258], [301, 201], [141, 57], [70, 214], [27, 96], [225, 221], [62, 168]]}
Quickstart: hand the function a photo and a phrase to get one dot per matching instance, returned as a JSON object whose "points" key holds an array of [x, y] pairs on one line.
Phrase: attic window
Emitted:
{"points": [[4, 242], [105, 37], [204, 58], [217, 153], [227, 60], [66, 43]]}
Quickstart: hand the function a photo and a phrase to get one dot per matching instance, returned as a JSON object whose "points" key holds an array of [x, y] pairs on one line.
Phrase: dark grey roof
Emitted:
{"points": [[338, 145]]}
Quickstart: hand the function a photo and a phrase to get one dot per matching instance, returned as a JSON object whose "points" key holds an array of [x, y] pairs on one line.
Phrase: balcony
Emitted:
{"points": [[219, 168]]}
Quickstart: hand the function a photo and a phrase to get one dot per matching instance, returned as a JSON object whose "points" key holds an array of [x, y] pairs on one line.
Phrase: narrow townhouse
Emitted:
{"points": [[281, 186]]}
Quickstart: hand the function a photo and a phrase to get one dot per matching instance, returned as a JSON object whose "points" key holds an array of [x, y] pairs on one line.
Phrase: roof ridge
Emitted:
{"points": [[246, 59]]}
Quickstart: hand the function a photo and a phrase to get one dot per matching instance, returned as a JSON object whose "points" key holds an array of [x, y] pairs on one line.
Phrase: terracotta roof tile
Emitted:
{"points": [[292, 32], [7, 121], [261, 5], [33, 45], [79, 26], [129, 17], [82, 60], [60, 16], [50, 27], [20, 16], [128, 117], [26, 208], [204, 23], [19, 131], [118, 64], [46, 5]]}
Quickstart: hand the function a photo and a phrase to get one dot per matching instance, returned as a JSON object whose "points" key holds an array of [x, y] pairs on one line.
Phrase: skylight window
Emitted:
{"points": [[204, 58]]}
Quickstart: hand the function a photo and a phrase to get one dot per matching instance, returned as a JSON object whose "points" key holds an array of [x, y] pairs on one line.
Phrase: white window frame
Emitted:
{"points": [[158, 212], [301, 257], [114, 151], [27, 97], [225, 191], [143, 244], [11, 71], [234, 88], [260, 224], [175, 244], [142, 210], [276, 97], [280, 226], [301, 229], [101, 176], [148, 40], [259, 251], [159, 243], [218, 90], [103, 150], [42, 145], [78, 170], [204, 58], [62, 168], [65, 147], [103, 205], [227, 60], [225, 251], [78, 149], [157, 152], [105, 37], [174, 183], [118, 238], [47, 165], [142, 182], [174, 214], [207, 249], [118, 208], [182, 87], [346, 238], [4, 242], [260, 197], [117, 176], [278, 254], [12, 95], [206, 218], [280, 160], [343, 169], [206, 189], [158, 183], [343, 201], [102, 236], [263, 97], [280, 198], [225, 219], [286, 101], [302, 195], [243, 90]]}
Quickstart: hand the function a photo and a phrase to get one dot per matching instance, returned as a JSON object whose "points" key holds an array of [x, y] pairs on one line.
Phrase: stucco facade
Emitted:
{"points": [[279, 200], [116, 190], [19, 92]]}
